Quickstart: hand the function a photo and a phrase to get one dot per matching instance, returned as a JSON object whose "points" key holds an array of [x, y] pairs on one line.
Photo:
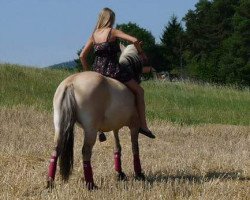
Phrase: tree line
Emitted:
{"points": [[213, 46]]}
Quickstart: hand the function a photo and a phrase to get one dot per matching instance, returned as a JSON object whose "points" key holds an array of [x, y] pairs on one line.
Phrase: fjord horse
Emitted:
{"points": [[95, 103]]}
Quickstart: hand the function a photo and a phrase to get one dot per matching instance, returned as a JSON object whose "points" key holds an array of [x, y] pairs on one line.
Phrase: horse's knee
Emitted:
{"points": [[86, 152], [87, 149], [56, 138], [118, 148], [134, 140]]}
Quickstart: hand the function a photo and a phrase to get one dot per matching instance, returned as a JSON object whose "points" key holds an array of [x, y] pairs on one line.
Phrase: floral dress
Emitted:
{"points": [[107, 62]]}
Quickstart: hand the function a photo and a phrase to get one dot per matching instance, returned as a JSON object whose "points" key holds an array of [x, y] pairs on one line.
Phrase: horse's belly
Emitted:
{"points": [[120, 111], [116, 118]]}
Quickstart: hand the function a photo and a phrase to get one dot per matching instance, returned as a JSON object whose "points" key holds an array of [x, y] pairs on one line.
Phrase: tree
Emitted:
{"points": [[211, 38], [173, 44], [234, 64], [138, 32], [153, 51]]}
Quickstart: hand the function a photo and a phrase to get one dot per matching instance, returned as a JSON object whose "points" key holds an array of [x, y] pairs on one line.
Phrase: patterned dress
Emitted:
{"points": [[107, 62]]}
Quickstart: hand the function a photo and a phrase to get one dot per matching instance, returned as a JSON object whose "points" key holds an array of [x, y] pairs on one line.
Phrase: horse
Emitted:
{"points": [[95, 103]]}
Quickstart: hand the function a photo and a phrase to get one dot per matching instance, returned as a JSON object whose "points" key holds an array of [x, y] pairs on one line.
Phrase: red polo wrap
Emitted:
{"points": [[52, 167], [118, 163]]}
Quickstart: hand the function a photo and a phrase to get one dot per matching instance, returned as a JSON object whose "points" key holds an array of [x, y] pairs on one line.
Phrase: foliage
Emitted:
{"points": [[218, 41], [152, 50], [173, 44], [140, 33], [213, 47]]}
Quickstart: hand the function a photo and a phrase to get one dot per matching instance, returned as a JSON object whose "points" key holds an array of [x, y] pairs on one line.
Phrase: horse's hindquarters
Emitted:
{"points": [[103, 103]]}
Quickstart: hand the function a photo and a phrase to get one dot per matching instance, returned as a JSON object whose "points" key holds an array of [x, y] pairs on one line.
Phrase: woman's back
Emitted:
{"points": [[106, 49], [104, 46], [101, 35]]}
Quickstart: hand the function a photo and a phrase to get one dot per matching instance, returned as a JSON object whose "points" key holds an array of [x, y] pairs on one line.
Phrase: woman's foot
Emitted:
{"points": [[146, 132]]}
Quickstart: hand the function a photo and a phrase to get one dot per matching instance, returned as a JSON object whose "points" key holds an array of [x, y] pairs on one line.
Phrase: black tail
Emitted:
{"points": [[65, 146]]}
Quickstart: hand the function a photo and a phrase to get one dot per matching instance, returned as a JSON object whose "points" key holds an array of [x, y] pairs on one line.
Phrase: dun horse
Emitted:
{"points": [[96, 103]]}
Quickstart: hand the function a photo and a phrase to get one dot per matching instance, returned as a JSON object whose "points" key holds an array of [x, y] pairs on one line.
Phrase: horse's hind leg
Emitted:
{"points": [[52, 166], [117, 157], [136, 156], [89, 141], [54, 156]]}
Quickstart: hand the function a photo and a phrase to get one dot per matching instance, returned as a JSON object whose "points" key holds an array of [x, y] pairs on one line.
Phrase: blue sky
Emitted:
{"points": [[44, 32]]}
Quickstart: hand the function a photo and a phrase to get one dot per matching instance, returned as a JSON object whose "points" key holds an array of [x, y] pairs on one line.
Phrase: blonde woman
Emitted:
{"points": [[106, 49]]}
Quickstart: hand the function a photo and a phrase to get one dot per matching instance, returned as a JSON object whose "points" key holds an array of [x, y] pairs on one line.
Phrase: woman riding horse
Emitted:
{"points": [[106, 49], [99, 103]]}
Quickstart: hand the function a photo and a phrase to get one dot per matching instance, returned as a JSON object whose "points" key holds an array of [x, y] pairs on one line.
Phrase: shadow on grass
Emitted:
{"points": [[213, 175]]}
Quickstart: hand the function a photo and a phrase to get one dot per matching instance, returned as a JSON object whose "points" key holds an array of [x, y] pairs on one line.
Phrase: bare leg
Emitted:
{"points": [[89, 141], [147, 69], [140, 104], [117, 158]]}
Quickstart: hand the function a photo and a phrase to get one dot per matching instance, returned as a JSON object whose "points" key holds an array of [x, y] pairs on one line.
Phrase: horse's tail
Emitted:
{"points": [[66, 134]]}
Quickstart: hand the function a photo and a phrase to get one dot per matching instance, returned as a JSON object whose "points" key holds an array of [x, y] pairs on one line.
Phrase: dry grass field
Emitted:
{"points": [[183, 162]]}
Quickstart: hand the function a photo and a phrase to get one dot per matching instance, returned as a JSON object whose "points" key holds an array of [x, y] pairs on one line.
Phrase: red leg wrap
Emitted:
{"points": [[88, 174], [137, 164], [118, 163], [52, 167]]}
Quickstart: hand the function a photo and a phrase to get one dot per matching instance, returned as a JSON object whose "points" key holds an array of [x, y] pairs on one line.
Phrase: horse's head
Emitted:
{"points": [[130, 58]]}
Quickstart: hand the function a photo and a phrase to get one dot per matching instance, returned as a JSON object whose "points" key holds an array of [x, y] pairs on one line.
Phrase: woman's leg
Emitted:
{"points": [[140, 103], [147, 69]]}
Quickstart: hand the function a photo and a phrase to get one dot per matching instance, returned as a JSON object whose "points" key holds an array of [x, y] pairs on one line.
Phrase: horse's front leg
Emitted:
{"points": [[121, 176], [89, 141], [136, 155]]}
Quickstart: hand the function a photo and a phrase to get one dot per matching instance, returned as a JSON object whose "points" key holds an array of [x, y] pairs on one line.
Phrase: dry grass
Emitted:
{"points": [[184, 162]]}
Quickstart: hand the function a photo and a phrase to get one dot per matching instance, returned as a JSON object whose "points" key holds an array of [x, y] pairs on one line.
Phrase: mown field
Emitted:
{"points": [[201, 150]]}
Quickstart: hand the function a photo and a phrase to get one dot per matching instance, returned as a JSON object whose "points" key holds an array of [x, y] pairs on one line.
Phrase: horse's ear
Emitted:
{"points": [[122, 47]]}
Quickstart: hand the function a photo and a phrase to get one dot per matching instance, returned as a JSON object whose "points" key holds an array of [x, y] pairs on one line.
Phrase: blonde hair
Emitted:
{"points": [[106, 19]]}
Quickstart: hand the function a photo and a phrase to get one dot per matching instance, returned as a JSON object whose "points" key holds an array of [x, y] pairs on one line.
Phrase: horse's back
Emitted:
{"points": [[103, 103]]}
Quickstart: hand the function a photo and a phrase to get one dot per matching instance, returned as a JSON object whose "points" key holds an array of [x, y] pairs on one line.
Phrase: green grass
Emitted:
{"points": [[190, 103], [182, 103], [29, 86]]}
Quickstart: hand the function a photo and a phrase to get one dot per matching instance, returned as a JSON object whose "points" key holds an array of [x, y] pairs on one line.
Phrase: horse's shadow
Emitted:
{"points": [[161, 176]]}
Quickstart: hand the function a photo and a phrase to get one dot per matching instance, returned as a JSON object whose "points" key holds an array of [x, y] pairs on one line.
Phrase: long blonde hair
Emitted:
{"points": [[106, 19]]}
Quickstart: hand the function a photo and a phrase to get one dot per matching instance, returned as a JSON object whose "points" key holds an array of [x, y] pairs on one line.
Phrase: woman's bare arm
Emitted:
{"points": [[84, 53], [129, 38]]}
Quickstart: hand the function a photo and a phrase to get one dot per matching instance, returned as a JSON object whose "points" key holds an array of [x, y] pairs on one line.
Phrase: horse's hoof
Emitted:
{"points": [[91, 186], [102, 137], [140, 177], [50, 184], [121, 177]]}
